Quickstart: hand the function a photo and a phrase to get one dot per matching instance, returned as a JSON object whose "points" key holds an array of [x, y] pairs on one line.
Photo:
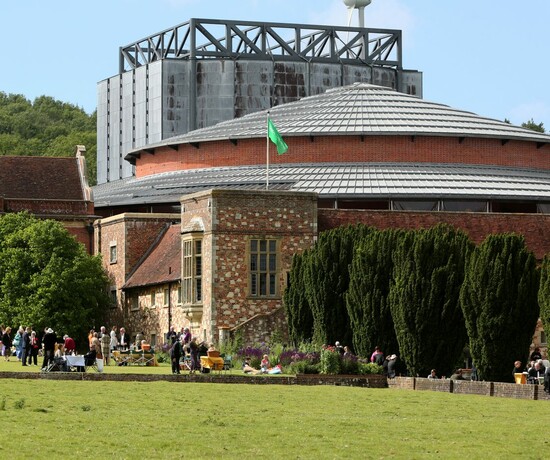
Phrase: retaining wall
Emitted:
{"points": [[498, 389]]}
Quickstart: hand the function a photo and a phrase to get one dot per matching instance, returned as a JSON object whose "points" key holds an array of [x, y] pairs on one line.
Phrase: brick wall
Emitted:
{"points": [[349, 149], [498, 389], [535, 227], [132, 234]]}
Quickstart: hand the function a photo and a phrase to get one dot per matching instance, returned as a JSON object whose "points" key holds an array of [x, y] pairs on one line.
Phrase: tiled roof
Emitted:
{"points": [[163, 262], [359, 109], [49, 178], [363, 180]]}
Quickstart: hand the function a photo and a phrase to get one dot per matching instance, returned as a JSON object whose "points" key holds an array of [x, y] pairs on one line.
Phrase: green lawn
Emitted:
{"points": [[65, 419]]}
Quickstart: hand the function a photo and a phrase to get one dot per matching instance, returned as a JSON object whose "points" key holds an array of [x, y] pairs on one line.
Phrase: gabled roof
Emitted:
{"points": [[45, 178], [162, 264], [358, 109]]}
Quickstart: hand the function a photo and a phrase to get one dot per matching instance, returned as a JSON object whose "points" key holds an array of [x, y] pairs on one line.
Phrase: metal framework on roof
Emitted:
{"points": [[211, 38]]}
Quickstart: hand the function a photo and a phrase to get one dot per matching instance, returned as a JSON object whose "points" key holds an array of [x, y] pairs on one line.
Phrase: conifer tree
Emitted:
{"points": [[367, 297], [544, 293], [298, 311], [424, 298], [499, 302], [326, 281]]}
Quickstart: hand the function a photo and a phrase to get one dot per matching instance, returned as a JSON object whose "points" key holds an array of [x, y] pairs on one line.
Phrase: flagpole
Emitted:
{"points": [[267, 152]]}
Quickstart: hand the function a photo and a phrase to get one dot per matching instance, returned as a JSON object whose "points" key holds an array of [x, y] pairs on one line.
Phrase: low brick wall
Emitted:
{"points": [[402, 383], [467, 387], [499, 389], [512, 390], [443, 385], [365, 381]]}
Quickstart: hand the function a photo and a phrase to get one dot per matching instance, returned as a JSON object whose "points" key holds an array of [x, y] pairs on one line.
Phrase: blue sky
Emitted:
{"points": [[490, 57]]}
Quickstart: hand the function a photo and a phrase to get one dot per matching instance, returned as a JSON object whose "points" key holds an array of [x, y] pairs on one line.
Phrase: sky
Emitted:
{"points": [[490, 57]]}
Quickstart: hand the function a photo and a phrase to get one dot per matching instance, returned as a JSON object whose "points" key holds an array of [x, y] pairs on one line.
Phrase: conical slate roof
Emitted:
{"points": [[359, 109]]}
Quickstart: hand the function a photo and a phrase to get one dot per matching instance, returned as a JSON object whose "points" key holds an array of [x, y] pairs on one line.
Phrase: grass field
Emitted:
{"points": [[86, 419]]}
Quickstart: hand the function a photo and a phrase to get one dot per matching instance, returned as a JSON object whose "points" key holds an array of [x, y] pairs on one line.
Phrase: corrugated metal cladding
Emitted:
{"points": [[172, 97]]}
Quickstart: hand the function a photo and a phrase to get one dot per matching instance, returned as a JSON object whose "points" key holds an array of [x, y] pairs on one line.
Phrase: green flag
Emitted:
{"points": [[276, 138]]}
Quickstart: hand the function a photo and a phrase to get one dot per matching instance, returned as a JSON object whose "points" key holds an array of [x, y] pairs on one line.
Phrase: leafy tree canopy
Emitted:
{"points": [[46, 127], [539, 127], [47, 279]]}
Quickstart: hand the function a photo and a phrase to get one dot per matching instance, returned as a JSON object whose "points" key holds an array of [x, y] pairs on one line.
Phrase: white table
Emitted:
{"points": [[74, 361]]}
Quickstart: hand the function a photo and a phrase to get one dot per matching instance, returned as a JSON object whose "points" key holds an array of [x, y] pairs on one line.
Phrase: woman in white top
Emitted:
{"points": [[114, 342]]}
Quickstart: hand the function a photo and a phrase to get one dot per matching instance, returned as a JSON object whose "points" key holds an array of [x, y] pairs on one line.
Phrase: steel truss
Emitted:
{"points": [[196, 39]]}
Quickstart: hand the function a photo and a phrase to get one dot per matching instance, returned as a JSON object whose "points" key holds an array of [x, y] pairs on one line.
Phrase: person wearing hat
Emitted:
{"points": [[392, 359], [48, 342]]}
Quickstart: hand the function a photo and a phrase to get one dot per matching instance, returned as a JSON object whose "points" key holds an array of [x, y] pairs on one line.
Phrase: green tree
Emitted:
{"points": [[46, 127], [538, 127], [298, 311], [499, 302], [326, 281], [367, 296], [424, 298], [544, 293], [47, 279]]}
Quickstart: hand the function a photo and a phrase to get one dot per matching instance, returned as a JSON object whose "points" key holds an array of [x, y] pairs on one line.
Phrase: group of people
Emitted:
{"points": [[26, 345], [537, 369], [183, 345], [388, 362]]}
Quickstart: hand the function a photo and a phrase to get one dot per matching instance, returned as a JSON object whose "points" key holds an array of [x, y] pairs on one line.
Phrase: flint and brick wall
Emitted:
{"points": [[236, 217]]}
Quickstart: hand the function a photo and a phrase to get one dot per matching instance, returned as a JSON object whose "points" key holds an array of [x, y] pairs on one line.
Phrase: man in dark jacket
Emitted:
{"points": [[26, 346], [49, 342], [175, 354]]}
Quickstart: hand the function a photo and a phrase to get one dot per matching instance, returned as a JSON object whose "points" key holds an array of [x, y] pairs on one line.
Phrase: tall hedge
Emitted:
{"points": [[367, 297], [424, 298], [499, 302], [544, 293], [298, 311], [326, 280]]}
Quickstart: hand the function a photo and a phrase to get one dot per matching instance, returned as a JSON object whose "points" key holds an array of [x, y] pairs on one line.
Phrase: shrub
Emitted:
{"points": [[330, 361], [289, 356], [349, 365], [302, 367], [369, 368]]}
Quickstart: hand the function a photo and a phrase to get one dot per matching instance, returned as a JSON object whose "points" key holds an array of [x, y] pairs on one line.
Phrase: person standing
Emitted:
{"points": [[377, 356], [176, 352], [35, 346], [6, 343], [171, 336], [124, 340], [194, 351], [69, 346], [105, 342], [392, 361], [17, 342], [114, 341], [96, 345], [26, 346], [49, 340]]}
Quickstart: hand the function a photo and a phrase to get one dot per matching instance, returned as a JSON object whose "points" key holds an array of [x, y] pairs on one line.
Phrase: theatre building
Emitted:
{"points": [[204, 234]]}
